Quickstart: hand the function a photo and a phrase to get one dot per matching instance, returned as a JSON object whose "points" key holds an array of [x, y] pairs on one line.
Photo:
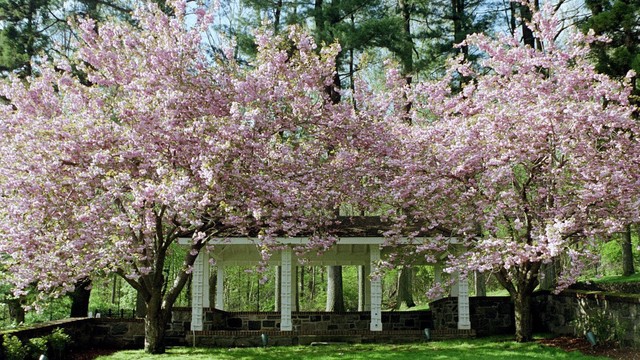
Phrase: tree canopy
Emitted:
{"points": [[532, 158]]}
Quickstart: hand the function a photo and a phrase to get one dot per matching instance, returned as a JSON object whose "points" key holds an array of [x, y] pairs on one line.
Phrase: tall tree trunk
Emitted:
{"points": [[627, 253], [527, 33], [405, 288], [548, 278], [335, 296], [16, 311], [80, 298], [302, 287], [141, 306], [479, 283], [278, 288], [458, 8]]}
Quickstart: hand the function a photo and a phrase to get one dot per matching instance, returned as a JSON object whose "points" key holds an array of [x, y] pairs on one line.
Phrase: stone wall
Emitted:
{"points": [[303, 322], [573, 312], [489, 315], [79, 329], [122, 334]]}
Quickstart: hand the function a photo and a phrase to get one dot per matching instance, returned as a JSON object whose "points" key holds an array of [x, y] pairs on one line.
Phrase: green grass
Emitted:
{"points": [[617, 279], [475, 349]]}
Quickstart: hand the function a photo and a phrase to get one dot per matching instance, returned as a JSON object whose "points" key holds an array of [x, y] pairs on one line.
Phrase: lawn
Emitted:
{"points": [[617, 279], [492, 348]]}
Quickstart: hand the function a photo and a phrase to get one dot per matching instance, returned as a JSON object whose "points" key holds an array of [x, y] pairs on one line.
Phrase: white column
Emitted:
{"points": [[197, 293], [285, 292], [376, 291], [220, 286], [206, 273], [464, 320]]}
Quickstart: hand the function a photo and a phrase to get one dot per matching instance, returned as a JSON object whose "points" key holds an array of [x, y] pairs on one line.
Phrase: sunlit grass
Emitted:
{"points": [[474, 349], [616, 279]]}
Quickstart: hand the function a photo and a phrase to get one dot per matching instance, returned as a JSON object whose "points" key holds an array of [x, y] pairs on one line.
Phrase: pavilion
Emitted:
{"points": [[359, 243]]}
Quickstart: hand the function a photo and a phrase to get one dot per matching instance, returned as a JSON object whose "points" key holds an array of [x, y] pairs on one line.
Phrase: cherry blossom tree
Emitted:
{"points": [[158, 141], [532, 160]]}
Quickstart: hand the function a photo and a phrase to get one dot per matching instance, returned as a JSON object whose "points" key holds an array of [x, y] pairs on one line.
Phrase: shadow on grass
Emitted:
{"points": [[490, 348]]}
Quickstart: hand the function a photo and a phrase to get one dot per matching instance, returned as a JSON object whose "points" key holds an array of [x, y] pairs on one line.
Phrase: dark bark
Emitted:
{"points": [[155, 323], [458, 8], [479, 284], [141, 306], [361, 288], [405, 288], [80, 298], [335, 296], [524, 322], [213, 280], [158, 296], [16, 311], [295, 306], [520, 282], [548, 280], [278, 288], [627, 253]]}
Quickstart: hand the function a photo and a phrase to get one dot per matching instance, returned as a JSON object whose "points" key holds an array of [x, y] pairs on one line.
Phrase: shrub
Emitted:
{"points": [[36, 347], [58, 340], [13, 348]]}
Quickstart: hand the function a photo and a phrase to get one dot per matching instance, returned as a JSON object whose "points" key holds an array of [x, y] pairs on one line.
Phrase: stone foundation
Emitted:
{"points": [[303, 322], [489, 315]]}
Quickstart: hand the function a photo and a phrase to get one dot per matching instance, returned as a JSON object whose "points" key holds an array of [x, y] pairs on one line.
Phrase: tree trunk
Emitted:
{"points": [[80, 298], [141, 306], [155, 324], [278, 287], [548, 278], [16, 311], [362, 292], [524, 320], [335, 297], [521, 281], [479, 284], [627, 253], [405, 288]]}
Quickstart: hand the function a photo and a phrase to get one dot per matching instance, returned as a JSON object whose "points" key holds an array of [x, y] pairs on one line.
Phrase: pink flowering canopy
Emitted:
{"points": [[103, 172], [535, 158]]}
